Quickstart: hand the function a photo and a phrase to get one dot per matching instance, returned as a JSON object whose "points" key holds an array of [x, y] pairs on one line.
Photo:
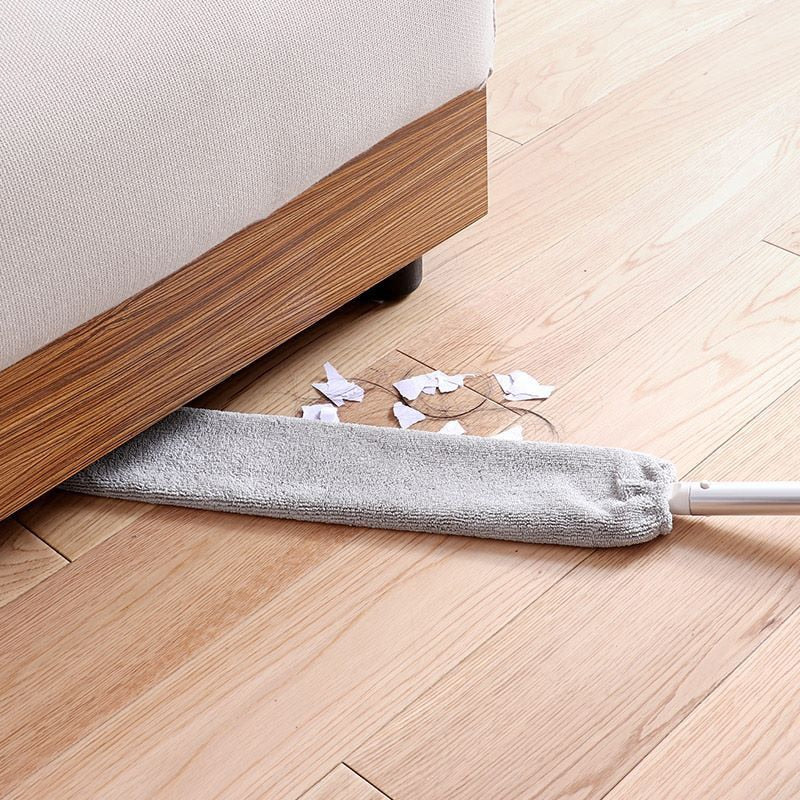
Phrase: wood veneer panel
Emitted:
{"points": [[92, 389]]}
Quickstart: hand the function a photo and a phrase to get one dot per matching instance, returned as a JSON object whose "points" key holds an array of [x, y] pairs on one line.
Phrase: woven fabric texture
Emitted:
{"points": [[137, 135]]}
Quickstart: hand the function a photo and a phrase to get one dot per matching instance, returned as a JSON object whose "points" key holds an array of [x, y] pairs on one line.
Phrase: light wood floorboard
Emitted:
{"points": [[577, 689], [270, 705], [787, 235], [343, 784], [742, 742], [79, 646], [610, 44], [578, 299], [25, 560], [694, 375], [500, 146]]}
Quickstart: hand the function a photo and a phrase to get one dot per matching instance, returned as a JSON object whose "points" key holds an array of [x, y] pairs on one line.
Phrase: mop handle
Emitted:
{"points": [[712, 498]]}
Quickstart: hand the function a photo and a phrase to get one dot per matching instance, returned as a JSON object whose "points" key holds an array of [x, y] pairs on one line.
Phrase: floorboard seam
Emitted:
{"points": [[715, 688], [653, 68], [507, 138], [477, 647], [781, 247], [41, 539], [742, 427], [366, 780]]}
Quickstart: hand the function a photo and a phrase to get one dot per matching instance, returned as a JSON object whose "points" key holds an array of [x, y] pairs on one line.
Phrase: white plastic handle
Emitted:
{"points": [[710, 498]]}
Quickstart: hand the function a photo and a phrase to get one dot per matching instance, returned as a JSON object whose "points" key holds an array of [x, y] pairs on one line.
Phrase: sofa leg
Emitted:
{"points": [[399, 284]]}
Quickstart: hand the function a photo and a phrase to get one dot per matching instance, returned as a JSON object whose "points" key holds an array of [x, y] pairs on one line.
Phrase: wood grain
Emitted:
{"points": [[654, 627], [567, 68], [127, 613], [576, 690], [520, 22], [787, 235], [25, 560], [79, 397], [715, 359], [73, 524], [577, 300], [594, 160], [716, 199], [741, 742], [269, 704], [343, 784], [499, 146], [287, 355]]}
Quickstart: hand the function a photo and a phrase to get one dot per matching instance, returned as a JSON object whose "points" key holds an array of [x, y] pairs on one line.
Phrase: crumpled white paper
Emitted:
{"points": [[513, 434], [338, 389], [406, 415], [521, 386], [410, 388], [453, 428], [322, 412]]}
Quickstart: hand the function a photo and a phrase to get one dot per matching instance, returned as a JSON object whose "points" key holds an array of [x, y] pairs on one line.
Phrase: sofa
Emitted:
{"points": [[185, 185]]}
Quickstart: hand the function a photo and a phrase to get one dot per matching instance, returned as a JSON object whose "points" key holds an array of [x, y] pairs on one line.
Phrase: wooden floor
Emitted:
{"points": [[642, 252]]}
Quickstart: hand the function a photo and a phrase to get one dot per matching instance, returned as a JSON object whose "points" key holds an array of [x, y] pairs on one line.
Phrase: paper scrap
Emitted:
{"points": [[521, 386], [453, 428], [338, 389], [513, 434], [410, 388], [322, 412], [406, 415]]}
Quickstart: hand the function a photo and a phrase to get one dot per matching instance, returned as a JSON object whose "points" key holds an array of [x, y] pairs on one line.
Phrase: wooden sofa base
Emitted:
{"points": [[84, 394]]}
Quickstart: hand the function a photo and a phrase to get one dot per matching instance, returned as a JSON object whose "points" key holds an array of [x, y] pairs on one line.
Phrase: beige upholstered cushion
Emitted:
{"points": [[136, 135]]}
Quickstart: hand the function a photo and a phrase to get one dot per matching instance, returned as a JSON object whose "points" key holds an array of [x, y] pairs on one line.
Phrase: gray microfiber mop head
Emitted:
{"points": [[390, 478]]}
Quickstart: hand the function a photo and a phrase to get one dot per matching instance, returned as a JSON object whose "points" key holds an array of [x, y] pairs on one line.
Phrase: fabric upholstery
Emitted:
{"points": [[137, 135]]}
